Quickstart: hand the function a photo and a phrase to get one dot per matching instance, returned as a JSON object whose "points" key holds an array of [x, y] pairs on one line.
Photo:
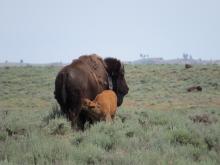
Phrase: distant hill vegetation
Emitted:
{"points": [[160, 60]]}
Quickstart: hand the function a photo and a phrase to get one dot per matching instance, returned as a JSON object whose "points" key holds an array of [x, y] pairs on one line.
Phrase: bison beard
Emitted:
{"points": [[86, 77]]}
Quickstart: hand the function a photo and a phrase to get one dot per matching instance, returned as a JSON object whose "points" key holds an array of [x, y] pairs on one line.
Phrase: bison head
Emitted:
{"points": [[116, 71]]}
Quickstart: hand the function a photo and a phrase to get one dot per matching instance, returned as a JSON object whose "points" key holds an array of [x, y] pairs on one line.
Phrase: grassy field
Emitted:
{"points": [[158, 123]]}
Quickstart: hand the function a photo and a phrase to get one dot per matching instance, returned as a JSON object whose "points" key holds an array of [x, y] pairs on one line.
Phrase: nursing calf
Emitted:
{"points": [[103, 107]]}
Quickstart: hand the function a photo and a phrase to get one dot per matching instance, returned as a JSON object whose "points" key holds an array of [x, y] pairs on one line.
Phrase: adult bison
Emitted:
{"points": [[85, 78]]}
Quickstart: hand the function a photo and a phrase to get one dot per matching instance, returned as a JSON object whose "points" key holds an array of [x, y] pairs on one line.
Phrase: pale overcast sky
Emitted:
{"points": [[41, 31]]}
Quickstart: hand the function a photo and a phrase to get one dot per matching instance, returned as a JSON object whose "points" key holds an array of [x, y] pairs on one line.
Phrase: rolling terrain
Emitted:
{"points": [[159, 122]]}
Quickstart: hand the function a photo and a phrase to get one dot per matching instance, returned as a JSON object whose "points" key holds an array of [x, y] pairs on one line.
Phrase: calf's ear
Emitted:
{"points": [[86, 102], [92, 105]]}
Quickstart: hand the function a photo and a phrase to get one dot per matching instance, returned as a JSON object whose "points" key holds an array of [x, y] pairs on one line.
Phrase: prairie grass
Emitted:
{"points": [[158, 123]]}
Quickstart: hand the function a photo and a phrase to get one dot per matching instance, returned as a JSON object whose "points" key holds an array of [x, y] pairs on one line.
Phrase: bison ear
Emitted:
{"points": [[113, 66]]}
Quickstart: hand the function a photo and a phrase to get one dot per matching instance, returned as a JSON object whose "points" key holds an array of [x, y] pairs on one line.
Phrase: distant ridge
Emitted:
{"points": [[160, 60]]}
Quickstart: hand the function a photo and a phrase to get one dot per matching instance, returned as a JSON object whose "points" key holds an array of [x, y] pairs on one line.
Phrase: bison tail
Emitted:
{"points": [[68, 96], [59, 93], [73, 98]]}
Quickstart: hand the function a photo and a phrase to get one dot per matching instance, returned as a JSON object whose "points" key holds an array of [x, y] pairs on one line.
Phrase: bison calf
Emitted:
{"points": [[103, 107]]}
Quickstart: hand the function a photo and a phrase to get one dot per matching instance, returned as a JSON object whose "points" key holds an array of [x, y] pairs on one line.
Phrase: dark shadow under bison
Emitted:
{"points": [[86, 77]]}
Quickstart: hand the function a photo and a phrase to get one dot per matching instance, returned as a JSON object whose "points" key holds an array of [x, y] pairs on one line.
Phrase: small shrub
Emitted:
{"points": [[55, 113], [130, 134], [212, 142], [78, 139], [60, 130], [58, 126], [88, 154], [184, 137], [104, 138], [3, 136], [158, 119]]}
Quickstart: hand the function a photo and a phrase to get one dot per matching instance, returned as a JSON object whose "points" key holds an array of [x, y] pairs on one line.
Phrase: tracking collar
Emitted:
{"points": [[110, 84]]}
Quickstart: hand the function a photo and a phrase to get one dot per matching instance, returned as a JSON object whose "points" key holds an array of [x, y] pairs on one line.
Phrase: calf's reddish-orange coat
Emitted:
{"points": [[103, 107]]}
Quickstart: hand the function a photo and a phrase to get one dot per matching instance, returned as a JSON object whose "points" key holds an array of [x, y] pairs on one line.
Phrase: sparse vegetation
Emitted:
{"points": [[158, 123]]}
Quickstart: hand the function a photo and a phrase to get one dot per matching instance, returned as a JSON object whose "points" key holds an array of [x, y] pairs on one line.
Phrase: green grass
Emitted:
{"points": [[158, 123]]}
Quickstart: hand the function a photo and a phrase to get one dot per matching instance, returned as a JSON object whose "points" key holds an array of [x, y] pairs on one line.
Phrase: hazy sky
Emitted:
{"points": [[42, 31]]}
